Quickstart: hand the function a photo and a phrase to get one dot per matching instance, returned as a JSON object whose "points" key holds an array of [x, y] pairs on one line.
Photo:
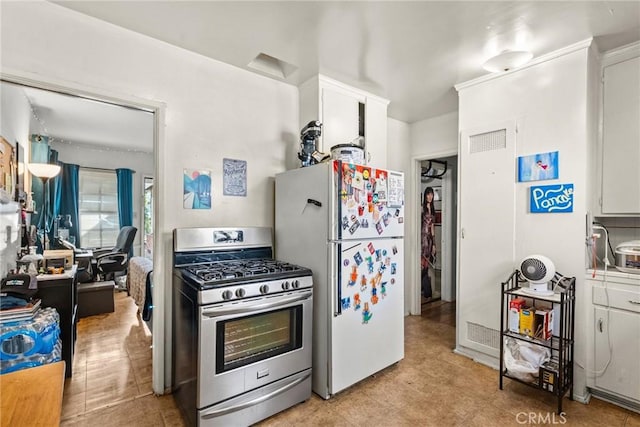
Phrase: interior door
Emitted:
{"points": [[486, 240]]}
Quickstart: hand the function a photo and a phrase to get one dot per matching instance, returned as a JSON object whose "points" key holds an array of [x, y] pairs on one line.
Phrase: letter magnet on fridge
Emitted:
{"points": [[356, 302], [366, 314]]}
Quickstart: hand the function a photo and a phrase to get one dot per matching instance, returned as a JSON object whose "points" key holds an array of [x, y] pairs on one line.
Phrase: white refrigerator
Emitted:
{"points": [[346, 223]]}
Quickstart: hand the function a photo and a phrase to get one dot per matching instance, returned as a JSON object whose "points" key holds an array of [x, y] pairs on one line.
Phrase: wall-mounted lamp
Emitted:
{"points": [[507, 60]]}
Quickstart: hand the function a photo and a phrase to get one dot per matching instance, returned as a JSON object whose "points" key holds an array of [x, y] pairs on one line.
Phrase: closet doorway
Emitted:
{"points": [[438, 176]]}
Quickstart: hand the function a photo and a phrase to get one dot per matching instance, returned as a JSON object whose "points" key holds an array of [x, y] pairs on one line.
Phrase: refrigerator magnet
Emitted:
{"points": [[366, 173], [375, 198], [346, 303], [354, 275], [393, 268], [358, 181], [364, 223], [363, 283], [393, 280], [354, 227], [400, 220], [345, 263], [383, 289], [378, 255], [394, 249], [379, 227], [369, 264], [357, 258], [385, 219], [366, 313], [374, 295], [356, 302], [372, 250]]}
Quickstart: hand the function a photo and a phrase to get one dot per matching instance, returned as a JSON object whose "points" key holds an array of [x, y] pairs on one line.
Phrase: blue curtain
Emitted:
{"points": [[67, 203], [125, 198]]}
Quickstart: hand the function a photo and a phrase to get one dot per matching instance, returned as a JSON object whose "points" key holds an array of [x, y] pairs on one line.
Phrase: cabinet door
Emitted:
{"points": [[619, 331], [621, 138], [375, 133], [339, 118]]}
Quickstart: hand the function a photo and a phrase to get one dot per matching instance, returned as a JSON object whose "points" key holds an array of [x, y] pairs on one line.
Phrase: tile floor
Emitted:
{"points": [[431, 386]]}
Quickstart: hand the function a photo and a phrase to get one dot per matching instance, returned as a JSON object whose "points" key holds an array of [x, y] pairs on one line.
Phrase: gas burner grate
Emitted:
{"points": [[234, 269]]}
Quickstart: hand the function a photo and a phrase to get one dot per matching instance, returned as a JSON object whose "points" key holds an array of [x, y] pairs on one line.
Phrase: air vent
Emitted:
{"points": [[483, 335], [490, 141], [272, 66]]}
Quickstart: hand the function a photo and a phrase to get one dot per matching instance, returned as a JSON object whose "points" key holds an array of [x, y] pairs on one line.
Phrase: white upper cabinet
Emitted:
{"points": [[346, 113], [620, 193]]}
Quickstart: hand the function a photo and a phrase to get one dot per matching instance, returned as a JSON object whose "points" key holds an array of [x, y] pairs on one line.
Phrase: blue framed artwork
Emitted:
{"points": [[234, 177], [196, 189], [537, 167], [556, 198]]}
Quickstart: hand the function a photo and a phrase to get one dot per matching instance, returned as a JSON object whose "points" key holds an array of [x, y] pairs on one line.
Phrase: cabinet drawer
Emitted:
{"points": [[627, 298]]}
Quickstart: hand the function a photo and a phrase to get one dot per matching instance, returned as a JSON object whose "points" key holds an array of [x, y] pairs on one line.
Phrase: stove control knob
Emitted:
{"points": [[285, 285], [240, 293], [264, 289], [295, 284], [227, 295]]}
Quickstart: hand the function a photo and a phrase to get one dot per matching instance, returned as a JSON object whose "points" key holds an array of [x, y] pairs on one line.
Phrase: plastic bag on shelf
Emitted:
{"points": [[523, 360]]}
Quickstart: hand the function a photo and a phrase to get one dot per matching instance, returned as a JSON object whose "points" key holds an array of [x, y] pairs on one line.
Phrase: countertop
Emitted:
{"points": [[68, 274], [613, 274], [33, 396]]}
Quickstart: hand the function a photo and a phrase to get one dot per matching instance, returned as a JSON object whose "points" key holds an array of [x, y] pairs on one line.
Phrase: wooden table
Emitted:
{"points": [[32, 397]]}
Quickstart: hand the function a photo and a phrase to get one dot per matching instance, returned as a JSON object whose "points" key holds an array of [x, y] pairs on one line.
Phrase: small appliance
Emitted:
{"points": [[309, 154], [539, 271], [628, 257]]}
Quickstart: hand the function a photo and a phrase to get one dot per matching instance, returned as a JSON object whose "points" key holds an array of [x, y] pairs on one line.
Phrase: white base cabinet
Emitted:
{"points": [[613, 350]]}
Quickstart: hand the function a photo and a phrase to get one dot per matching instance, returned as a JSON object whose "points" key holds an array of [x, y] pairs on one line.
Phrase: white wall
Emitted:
{"points": [[16, 115], [107, 158], [435, 135], [213, 111], [398, 149], [549, 103]]}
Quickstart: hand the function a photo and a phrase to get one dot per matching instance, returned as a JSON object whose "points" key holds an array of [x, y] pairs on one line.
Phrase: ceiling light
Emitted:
{"points": [[507, 60]]}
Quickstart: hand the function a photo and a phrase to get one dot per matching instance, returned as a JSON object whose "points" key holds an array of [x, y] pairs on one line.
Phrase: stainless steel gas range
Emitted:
{"points": [[241, 348]]}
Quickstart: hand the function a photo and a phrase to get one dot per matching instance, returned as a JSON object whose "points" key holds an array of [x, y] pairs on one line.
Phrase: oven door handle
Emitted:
{"points": [[224, 311], [223, 411]]}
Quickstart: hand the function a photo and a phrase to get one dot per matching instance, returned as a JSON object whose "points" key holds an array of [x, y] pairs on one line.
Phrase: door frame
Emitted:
{"points": [[158, 108], [413, 204]]}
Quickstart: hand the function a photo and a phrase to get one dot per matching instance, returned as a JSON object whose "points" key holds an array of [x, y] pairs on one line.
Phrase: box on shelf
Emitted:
{"points": [[514, 314], [548, 376], [527, 321], [544, 323]]}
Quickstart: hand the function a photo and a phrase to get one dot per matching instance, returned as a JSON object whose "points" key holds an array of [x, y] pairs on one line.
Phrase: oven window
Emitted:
{"points": [[249, 339]]}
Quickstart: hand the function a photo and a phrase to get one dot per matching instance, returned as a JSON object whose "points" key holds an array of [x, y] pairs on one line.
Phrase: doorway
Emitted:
{"points": [[124, 104], [438, 176]]}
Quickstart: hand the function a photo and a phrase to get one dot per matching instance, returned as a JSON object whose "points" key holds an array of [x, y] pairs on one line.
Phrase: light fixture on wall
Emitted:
{"points": [[44, 171], [507, 60]]}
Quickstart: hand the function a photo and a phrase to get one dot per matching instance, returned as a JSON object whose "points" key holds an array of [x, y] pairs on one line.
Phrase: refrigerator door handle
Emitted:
{"points": [[338, 264]]}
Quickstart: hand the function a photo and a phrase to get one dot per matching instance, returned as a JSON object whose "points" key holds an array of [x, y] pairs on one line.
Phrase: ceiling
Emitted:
{"points": [[70, 119], [411, 53]]}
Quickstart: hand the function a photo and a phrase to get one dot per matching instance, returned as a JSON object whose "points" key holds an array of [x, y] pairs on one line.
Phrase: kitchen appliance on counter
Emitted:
{"points": [[353, 152], [346, 222], [241, 348], [309, 154], [628, 257]]}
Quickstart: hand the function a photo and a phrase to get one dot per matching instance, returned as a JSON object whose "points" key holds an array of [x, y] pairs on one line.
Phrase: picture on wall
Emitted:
{"points": [[197, 189], [556, 198], [538, 167], [234, 177]]}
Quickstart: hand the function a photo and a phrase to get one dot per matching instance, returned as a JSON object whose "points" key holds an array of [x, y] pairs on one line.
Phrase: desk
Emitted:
{"points": [[32, 397], [60, 291]]}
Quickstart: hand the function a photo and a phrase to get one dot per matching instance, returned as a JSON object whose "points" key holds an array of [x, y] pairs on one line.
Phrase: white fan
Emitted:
{"points": [[539, 271]]}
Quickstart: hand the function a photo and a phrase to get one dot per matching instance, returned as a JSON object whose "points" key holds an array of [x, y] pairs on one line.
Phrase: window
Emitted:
{"points": [[98, 208]]}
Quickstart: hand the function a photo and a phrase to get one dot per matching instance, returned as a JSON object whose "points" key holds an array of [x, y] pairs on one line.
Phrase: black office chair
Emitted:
{"points": [[110, 261]]}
